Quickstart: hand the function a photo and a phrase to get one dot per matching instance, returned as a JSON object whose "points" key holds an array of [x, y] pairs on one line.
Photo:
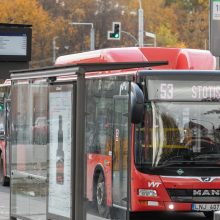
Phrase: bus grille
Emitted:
{"points": [[194, 195]]}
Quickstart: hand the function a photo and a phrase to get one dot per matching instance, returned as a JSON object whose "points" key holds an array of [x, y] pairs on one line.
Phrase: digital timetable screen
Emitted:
{"points": [[15, 43]]}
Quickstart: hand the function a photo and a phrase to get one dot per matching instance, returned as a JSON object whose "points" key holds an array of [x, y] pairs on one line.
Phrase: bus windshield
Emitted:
{"points": [[175, 133]]}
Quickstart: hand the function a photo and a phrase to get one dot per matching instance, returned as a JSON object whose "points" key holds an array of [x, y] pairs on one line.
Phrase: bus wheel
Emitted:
{"points": [[102, 207], [208, 214]]}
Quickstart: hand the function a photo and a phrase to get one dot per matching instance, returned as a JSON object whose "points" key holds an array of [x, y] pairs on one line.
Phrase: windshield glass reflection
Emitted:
{"points": [[178, 133]]}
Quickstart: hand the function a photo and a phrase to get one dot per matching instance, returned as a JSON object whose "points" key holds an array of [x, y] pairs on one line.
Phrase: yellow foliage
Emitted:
{"points": [[18, 12], [170, 22]]}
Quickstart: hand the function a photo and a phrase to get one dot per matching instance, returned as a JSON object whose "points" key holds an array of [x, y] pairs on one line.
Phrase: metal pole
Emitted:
{"points": [[210, 12], [140, 25], [92, 38], [210, 39], [217, 63], [129, 156], [80, 163]]}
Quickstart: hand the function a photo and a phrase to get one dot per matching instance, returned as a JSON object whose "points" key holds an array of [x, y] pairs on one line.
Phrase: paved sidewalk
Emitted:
{"points": [[4, 203]]}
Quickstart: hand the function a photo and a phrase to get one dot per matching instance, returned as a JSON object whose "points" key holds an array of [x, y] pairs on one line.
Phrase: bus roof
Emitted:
{"points": [[129, 54], [178, 58]]}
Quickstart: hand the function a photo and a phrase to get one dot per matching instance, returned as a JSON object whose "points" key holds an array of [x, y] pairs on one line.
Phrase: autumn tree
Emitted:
{"points": [[44, 28], [72, 11], [192, 22], [103, 12], [158, 18], [175, 23], [18, 11]]}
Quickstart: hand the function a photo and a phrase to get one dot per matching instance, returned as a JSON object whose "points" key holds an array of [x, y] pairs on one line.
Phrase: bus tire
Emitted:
{"points": [[103, 209], [208, 214], [3, 179]]}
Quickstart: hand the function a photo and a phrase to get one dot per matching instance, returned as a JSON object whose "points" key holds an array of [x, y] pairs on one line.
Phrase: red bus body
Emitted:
{"points": [[4, 152], [3, 158], [178, 59]]}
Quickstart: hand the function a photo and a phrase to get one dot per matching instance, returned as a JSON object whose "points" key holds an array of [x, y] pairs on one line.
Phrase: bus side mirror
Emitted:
{"points": [[137, 104]]}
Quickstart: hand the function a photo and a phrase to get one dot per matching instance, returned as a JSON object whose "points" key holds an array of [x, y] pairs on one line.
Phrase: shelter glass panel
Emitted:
{"points": [[29, 150], [106, 143]]}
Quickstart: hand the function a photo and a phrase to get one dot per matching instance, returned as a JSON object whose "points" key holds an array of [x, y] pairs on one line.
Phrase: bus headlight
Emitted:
{"points": [[147, 192]]}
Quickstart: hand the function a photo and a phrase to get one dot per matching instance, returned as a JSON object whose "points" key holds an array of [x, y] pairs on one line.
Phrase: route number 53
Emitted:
{"points": [[166, 91]]}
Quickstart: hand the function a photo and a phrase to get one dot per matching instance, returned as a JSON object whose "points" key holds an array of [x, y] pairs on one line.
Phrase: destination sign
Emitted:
{"points": [[183, 90]]}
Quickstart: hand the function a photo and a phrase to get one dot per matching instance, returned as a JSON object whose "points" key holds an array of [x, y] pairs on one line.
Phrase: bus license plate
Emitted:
{"points": [[205, 207]]}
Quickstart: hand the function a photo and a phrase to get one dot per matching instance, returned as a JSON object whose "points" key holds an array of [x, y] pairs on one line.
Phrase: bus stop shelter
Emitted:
{"points": [[59, 118]]}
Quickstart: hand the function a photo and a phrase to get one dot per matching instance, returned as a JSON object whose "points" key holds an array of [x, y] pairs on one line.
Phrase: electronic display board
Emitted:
{"points": [[15, 43]]}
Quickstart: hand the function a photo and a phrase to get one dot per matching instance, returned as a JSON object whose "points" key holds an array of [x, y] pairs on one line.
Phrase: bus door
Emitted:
{"points": [[120, 146]]}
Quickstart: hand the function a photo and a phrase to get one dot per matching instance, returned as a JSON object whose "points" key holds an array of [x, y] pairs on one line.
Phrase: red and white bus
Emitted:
{"points": [[4, 128], [175, 135]]}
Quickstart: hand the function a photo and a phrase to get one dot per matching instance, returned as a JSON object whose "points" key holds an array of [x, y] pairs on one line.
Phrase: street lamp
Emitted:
{"points": [[130, 35], [140, 25], [92, 33]]}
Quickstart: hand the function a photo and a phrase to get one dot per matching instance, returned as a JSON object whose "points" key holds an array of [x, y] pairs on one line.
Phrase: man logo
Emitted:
{"points": [[180, 172], [206, 179], [206, 192]]}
